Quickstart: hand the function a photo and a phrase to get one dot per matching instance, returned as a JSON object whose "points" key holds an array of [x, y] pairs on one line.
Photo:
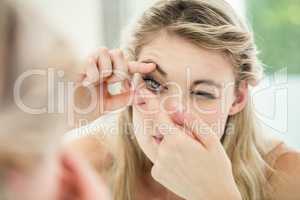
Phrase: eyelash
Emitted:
{"points": [[159, 87], [149, 84], [204, 94]]}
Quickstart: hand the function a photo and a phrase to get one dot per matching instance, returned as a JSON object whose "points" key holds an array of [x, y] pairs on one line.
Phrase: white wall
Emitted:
{"points": [[81, 21], [77, 20], [137, 6], [239, 6]]}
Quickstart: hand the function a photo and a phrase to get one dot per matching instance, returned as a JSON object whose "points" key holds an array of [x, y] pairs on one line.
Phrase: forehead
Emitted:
{"points": [[177, 56]]}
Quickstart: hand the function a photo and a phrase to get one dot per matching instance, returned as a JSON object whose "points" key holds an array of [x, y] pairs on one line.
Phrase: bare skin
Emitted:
{"points": [[156, 98], [204, 65]]}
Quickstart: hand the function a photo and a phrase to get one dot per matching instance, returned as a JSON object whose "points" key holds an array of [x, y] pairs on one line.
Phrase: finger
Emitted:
{"points": [[167, 128], [177, 141], [104, 63], [139, 67], [201, 130], [118, 102], [168, 123], [173, 111], [120, 68], [92, 72], [174, 131], [192, 125]]}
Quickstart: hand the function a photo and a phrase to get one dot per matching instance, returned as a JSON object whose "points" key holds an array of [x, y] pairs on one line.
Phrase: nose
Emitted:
{"points": [[139, 98], [140, 101], [146, 101], [138, 94], [168, 102], [176, 110]]}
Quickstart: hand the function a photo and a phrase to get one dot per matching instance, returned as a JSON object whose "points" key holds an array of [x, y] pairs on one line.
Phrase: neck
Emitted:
{"points": [[152, 188]]}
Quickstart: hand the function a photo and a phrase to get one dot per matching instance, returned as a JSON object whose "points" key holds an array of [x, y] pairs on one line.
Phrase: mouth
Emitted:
{"points": [[158, 138]]}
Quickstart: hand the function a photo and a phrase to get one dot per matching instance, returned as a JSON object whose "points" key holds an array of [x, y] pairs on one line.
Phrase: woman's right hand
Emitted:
{"points": [[105, 67]]}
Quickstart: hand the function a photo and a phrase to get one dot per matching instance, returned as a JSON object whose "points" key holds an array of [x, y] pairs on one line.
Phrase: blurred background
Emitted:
{"points": [[276, 24]]}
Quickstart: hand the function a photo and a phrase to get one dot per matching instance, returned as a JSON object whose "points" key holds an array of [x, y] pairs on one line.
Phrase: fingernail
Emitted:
{"points": [[115, 88], [151, 64]]}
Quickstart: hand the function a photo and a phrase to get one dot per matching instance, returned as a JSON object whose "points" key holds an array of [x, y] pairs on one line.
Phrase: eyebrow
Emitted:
{"points": [[207, 82], [158, 68]]}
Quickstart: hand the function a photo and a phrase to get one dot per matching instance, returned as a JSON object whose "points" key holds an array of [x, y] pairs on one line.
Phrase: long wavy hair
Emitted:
{"points": [[210, 24]]}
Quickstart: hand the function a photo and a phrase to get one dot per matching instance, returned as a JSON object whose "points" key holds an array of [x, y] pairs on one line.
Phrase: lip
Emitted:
{"points": [[140, 103], [158, 137]]}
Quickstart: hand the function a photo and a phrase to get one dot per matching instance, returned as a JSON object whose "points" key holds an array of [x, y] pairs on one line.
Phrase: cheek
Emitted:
{"points": [[146, 102], [214, 113], [146, 109], [142, 130]]}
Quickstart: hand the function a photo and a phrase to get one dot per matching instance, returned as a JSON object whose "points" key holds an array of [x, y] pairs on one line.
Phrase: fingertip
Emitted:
{"points": [[149, 67], [139, 67], [133, 66], [178, 118]]}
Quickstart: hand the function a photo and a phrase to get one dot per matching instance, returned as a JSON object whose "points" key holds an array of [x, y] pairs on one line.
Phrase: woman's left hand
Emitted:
{"points": [[194, 167]]}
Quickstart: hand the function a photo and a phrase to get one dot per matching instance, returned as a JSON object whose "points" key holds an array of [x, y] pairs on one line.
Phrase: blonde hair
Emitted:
{"points": [[210, 24]]}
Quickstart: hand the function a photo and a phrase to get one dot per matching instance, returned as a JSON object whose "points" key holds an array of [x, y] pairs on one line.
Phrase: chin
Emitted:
{"points": [[148, 146]]}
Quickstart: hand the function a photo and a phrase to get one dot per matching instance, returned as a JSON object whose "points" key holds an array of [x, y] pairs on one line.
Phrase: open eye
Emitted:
{"points": [[152, 84]]}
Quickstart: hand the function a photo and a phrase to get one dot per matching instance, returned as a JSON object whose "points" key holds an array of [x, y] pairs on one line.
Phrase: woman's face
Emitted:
{"points": [[187, 77]]}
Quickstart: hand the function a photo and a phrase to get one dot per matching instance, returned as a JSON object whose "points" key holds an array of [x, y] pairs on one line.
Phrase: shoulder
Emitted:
{"points": [[285, 179], [96, 142], [94, 149], [288, 162]]}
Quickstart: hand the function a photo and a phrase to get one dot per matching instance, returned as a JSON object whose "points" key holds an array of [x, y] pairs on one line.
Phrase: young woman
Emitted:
{"points": [[188, 131]]}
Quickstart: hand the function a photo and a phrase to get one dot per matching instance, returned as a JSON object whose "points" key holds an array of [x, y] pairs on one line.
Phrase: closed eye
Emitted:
{"points": [[204, 94]]}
